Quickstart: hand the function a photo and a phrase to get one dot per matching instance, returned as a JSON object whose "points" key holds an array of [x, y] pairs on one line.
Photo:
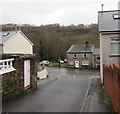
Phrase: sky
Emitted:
{"points": [[64, 12]]}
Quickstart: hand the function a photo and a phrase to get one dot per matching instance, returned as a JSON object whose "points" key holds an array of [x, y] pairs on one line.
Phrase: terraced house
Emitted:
{"points": [[109, 32], [83, 56]]}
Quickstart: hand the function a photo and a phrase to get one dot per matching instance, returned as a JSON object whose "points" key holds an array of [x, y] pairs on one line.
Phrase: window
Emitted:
{"points": [[85, 63], [74, 56], [115, 46], [85, 55], [97, 58], [116, 16], [71, 62]]}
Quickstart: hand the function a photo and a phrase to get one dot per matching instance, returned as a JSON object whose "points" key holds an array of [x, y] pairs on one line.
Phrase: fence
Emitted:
{"points": [[6, 66], [112, 84]]}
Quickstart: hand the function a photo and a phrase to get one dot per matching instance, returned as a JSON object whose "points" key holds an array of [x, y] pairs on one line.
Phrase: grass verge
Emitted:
{"points": [[63, 65], [104, 96]]}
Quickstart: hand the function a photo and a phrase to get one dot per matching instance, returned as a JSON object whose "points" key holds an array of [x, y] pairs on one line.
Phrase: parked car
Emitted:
{"points": [[45, 62], [61, 61]]}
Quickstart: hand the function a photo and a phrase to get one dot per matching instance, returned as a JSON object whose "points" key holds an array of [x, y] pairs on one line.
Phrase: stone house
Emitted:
{"points": [[109, 33], [81, 56]]}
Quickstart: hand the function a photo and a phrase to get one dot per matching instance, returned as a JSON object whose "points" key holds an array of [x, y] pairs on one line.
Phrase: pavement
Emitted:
{"points": [[93, 101]]}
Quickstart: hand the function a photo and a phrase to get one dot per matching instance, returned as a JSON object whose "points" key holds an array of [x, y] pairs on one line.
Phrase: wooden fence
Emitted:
{"points": [[112, 84]]}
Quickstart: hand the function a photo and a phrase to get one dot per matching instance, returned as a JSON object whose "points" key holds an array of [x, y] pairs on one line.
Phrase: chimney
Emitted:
{"points": [[15, 28], [86, 44], [19, 28]]}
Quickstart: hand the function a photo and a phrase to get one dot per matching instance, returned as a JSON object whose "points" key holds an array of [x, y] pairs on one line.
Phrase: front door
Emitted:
{"points": [[26, 73], [76, 64]]}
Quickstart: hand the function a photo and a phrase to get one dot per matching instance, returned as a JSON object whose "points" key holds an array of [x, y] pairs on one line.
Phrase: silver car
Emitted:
{"points": [[45, 62]]}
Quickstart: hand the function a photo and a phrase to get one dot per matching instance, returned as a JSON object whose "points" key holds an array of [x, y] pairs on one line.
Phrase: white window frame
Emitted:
{"points": [[71, 62], [84, 56], [113, 41], [85, 63]]}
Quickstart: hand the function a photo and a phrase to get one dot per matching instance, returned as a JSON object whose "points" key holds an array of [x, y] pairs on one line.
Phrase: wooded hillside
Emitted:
{"points": [[52, 41]]}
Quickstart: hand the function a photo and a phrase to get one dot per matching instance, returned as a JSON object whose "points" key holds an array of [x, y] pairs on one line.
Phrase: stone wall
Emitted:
{"points": [[12, 85], [13, 82]]}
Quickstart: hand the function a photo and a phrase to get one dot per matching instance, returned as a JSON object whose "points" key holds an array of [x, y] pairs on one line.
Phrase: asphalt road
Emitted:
{"points": [[66, 94]]}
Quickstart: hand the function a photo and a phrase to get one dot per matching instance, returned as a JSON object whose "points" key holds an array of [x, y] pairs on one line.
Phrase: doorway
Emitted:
{"points": [[77, 64], [26, 73]]}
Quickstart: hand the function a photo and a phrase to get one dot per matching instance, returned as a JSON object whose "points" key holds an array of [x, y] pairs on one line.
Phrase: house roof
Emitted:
{"points": [[6, 35], [96, 51], [80, 49], [108, 21]]}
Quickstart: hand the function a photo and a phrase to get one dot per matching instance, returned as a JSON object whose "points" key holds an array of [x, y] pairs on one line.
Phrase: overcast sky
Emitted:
{"points": [[64, 12]]}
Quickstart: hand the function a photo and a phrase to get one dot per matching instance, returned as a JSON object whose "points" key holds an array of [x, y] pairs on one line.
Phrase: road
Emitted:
{"points": [[66, 94]]}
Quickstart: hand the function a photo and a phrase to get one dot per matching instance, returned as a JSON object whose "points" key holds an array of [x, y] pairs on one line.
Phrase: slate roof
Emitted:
{"points": [[80, 49], [6, 35], [108, 22], [96, 51]]}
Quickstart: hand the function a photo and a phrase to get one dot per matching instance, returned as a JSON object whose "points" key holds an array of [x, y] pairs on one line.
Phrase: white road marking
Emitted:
{"points": [[93, 77]]}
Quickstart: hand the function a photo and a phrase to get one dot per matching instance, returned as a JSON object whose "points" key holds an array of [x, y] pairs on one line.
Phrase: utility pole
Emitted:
{"points": [[58, 48]]}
